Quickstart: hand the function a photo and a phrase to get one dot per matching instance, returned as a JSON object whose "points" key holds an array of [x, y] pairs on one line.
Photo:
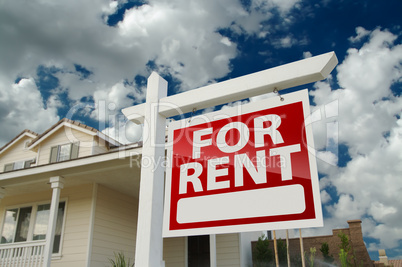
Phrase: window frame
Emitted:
{"points": [[34, 210], [24, 164], [57, 149]]}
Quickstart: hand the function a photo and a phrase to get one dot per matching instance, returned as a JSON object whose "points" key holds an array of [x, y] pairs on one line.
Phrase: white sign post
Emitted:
{"points": [[149, 246]]}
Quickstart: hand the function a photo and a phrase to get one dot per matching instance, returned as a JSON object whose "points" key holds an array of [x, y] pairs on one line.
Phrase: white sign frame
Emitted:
{"points": [[299, 96]]}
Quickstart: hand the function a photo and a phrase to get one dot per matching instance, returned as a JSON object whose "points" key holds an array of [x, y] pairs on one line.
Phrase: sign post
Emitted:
{"points": [[149, 242], [157, 108]]}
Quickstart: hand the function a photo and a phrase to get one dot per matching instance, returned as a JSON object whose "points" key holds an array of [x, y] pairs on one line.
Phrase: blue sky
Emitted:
{"points": [[87, 60]]}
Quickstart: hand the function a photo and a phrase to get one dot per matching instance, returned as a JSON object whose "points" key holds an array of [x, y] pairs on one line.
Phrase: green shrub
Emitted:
{"points": [[325, 253], [282, 252], [343, 257], [262, 254], [120, 260]]}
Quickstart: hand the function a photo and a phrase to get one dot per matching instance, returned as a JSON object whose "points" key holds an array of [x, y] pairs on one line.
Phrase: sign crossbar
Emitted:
{"points": [[282, 77]]}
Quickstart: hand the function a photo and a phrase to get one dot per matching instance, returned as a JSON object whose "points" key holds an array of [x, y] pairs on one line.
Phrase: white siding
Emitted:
{"points": [[174, 251], [16, 153], [227, 250], [115, 226]]}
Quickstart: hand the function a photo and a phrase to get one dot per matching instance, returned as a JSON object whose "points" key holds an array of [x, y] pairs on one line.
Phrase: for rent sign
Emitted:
{"points": [[246, 168]]}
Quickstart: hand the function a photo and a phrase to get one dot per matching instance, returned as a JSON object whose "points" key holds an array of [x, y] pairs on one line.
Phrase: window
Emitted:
{"points": [[23, 164], [64, 152], [30, 223], [198, 251]]}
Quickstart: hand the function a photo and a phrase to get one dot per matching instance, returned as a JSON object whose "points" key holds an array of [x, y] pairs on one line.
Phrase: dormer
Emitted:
{"points": [[15, 154], [67, 140]]}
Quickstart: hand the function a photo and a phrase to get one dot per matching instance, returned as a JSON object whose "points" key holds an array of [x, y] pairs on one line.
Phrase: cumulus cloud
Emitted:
{"points": [[23, 105], [370, 125], [124, 131], [284, 6], [162, 35]]}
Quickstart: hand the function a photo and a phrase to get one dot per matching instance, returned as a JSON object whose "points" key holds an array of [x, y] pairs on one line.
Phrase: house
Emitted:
{"points": [[69, 197]]}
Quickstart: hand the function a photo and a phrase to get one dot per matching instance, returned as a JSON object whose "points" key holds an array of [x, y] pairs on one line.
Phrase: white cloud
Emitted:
{"points": [[65, 34], [284, 6], [370, 124], [307, 54], [124, 131], [361, 33], [22, 105], [325, 197]]}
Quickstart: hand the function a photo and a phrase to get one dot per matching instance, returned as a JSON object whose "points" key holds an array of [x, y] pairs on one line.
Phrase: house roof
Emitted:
{"points": [[395, 263], [72, 124], [25, 132]]}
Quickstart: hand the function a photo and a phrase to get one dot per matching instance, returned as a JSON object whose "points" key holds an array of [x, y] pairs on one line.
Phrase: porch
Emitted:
{"points": [[93, 193], [29, 253]]}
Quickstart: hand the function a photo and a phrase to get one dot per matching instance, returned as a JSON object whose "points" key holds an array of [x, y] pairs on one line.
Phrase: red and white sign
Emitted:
{"points": [[245, 168]]}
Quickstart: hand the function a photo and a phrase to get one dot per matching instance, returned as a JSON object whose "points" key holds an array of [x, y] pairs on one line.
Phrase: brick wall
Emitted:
{"points": [[354, 232]]}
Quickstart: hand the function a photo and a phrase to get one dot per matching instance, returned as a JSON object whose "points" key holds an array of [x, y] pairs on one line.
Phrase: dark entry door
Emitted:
{"points": [[198, 251]]}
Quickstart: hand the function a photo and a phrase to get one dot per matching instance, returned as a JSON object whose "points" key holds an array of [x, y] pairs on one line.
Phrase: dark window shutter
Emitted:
{"points": [[53, 154], [74, 150], [28, 163], [8, 167]]}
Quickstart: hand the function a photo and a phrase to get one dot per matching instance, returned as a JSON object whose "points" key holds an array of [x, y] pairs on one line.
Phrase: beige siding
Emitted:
{"points": [[63, 136], [115, 226], [99, 146], [17, 152], [76, 229], [174, 251], [227, 250]]}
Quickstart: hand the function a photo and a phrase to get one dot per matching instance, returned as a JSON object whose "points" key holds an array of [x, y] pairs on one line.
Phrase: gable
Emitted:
{"points": [[17, 151], [23, 134], [62, 136]]}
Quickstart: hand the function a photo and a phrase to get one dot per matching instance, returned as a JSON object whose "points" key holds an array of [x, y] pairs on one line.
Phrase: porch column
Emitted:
{"points": [[57, 183], [212, 250], [2, 193]]}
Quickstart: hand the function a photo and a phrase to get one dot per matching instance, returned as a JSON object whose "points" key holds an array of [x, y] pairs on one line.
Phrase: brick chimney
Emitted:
{"points": [[359, 248], [383, 257]]}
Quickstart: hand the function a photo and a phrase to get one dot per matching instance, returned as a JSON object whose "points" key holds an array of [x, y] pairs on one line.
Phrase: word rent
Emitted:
{"points": [[190, 172]]}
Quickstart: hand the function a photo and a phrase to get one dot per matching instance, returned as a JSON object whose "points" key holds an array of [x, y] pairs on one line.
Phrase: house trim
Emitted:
{"points": [[62, 123], [58, 166]]}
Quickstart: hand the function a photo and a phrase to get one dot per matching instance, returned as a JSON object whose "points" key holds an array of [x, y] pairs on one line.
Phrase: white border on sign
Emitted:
{"points": [[272, 102]]}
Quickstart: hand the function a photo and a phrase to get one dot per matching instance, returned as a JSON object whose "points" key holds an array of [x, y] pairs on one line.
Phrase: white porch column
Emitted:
{"points": [[212, 250], [57, 183], [149, 243]]}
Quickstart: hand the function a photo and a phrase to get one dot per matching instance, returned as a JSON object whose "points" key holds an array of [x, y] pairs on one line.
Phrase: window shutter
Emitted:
{"points": [[28, 163], [8, 167], [74, 150], [53, 154]]}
